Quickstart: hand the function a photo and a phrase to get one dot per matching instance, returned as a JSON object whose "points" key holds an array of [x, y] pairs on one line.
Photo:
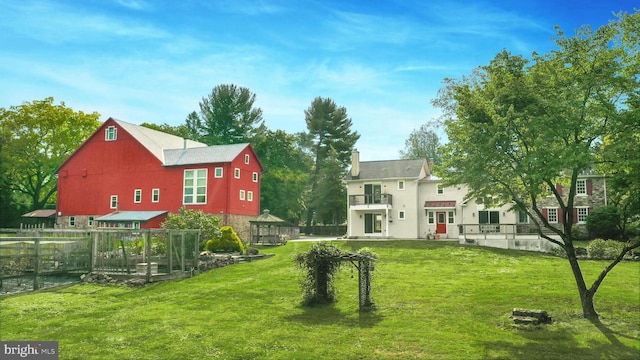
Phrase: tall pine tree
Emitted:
{"points": [[330, 137]]}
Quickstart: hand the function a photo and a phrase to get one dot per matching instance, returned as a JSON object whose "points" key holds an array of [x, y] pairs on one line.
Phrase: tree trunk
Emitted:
{"points": [[586, 295]]}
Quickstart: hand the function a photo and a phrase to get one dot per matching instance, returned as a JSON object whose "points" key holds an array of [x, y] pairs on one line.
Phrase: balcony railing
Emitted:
{"points": [[367, 199]]}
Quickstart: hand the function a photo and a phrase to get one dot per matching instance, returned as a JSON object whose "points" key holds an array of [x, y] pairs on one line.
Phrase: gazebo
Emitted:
{"points": [[266, 229]]}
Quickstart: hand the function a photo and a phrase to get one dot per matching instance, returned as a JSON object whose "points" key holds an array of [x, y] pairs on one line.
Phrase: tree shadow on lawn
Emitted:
{"points": [[562, 345], [330, 315]]}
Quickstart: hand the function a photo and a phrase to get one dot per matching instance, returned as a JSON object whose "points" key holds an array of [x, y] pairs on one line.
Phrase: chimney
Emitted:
{"points": [[184, 144], [355, 163]]}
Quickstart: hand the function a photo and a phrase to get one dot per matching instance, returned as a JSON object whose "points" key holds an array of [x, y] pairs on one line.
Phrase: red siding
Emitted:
{"points": [[99, 169]]}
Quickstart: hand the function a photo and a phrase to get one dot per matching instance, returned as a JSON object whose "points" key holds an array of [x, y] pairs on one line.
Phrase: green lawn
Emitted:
{"points": [[434, 301]]}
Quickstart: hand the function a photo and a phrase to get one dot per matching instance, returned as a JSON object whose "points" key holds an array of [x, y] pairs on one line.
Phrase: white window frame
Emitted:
{"points": [[113, 202], [72, 221], [155, 195], [584, 215], [431, 217], [90, 220], [218, 173], [137, 196], [440, 189], [236, 173], [249, 195], [111, 133], [194, 186], [451, 217], [401, 185], [402, 215], [526, 215], [552, 219], [136, 225], [255, 177], [242, 195], [246, 158], [581, 187]]}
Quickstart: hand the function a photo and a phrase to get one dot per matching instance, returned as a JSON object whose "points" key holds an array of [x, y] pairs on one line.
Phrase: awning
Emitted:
{"points": [[131, 215], [41, 214], [440, 204]]}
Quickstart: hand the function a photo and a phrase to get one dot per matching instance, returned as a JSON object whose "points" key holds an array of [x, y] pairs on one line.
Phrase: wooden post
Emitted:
{"points": [[148, 257], [36, 265]]}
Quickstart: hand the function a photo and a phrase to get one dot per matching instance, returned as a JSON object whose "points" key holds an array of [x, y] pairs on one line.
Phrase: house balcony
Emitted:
{"points": [[370, 201]]}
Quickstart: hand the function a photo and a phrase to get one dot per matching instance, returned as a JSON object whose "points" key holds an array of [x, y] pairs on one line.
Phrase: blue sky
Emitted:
{"points": [[153, 61]]}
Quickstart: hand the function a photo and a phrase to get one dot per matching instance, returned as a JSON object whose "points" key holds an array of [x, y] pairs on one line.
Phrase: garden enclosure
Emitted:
{"points": [[33, 259]]}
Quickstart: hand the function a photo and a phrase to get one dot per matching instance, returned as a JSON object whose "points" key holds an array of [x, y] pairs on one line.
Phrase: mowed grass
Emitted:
{"points": [[434, 301]]}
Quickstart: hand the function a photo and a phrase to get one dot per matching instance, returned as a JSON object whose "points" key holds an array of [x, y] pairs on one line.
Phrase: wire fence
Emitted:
{"points": [[33, 259]]}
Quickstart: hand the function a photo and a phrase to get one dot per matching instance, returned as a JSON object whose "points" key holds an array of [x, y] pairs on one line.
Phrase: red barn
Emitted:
{"points": [[127, 175]]}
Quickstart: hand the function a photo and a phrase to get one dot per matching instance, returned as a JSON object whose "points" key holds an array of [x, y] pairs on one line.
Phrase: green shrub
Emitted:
{"points": [[208, 224], [602, 249], [229, 241], [320, 264], [604, 222]]}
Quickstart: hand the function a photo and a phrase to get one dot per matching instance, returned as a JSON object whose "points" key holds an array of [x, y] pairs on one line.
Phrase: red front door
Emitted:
{"points": [[441, 222]]}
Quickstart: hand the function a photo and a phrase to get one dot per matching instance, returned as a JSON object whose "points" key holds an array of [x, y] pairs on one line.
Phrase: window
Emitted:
{"points": [[137, 196], [113, 202], [242, 194], [401, 185], [489, 217], [582, 213], [523, 217], [195, 186], [90, 221], [372, 223], [110, 133], [250, 195], [440, 189], [155, 195], [72, 221], [451, 217], [136, 224], [401, 215], [255, 177], [581, 187], [236, 173], [552, 215], [246, 158], [431, 217], [218, 172], [372, 193]]}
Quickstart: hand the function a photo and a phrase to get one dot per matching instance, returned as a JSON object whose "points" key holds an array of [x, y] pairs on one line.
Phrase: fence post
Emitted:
{"points": [[36, 265], [148, 257]]}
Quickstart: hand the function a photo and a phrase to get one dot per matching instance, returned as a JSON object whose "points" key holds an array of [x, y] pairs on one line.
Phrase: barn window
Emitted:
{"points": [[90, 220], [242, 194], [110, 134], [246, 158], [155, 195], [255, 177], [236, 173], [137, 196], [250, 195], [113, 202], [195, 186], [219, 172], [72, 221]]}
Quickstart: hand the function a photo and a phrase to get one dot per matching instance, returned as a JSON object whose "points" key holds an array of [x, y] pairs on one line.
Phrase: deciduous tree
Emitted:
{"points": [[423, 143], [517, 128], [286, 178], [41, 136]]}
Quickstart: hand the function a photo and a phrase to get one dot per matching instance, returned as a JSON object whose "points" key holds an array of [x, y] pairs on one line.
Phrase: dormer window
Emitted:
{"points": [[110, 133]]}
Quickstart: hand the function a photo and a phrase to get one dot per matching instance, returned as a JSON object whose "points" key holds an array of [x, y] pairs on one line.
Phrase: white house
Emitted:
{"points": [[402, 199]]}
